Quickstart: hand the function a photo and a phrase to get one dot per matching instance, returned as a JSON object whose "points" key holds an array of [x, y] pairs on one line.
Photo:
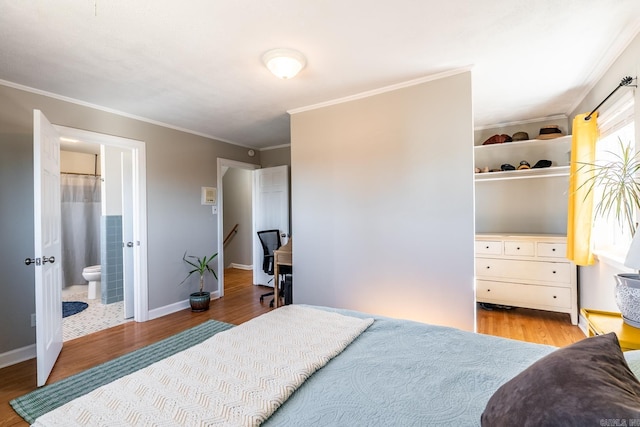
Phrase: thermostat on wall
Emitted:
{"points": [[209, 195]]}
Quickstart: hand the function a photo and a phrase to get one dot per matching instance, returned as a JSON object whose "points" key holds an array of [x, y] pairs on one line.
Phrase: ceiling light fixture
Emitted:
{"points": [[284, 63]]}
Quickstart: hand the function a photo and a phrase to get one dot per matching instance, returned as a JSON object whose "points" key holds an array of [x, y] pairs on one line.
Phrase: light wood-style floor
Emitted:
{"points": [[240, 303]]}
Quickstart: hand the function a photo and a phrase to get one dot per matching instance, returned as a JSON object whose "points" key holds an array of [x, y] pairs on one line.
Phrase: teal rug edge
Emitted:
{"points": [[45, 399]]}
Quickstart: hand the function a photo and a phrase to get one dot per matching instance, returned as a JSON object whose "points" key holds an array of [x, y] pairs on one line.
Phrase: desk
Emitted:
{"points": [[602, 322], [281, 256]]}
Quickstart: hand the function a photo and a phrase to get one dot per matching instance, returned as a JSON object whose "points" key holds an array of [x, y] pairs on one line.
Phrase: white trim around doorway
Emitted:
{"points": [[222, 164], [138, 150]]}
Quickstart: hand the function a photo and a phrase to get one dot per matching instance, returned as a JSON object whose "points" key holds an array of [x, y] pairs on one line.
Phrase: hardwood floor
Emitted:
{"points": [[240, 303], [542, 327]]}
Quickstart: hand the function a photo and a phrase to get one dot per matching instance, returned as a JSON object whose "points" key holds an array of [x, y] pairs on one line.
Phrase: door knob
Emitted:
{"points": [[29, 261], [129, 244], [46, 260]]}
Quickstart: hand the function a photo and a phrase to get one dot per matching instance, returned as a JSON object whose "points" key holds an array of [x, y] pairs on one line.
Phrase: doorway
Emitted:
{"points": [[131, 187], [269, 208], [47, 234], [224, 165]]}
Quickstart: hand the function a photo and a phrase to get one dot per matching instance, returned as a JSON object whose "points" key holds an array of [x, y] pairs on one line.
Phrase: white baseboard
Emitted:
{"points": [[241, 266], [29, 352], [18, 355], [582, 324], [177, 306]]}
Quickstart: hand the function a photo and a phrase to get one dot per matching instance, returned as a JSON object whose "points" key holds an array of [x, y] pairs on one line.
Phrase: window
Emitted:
{"points": [[615, 125]]}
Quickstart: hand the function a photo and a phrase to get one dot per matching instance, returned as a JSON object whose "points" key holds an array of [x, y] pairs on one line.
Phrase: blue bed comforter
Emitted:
{"points": [[402, 373]]}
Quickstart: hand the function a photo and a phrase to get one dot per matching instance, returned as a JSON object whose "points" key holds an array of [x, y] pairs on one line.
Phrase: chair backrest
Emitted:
{"points": [[270, 240]]}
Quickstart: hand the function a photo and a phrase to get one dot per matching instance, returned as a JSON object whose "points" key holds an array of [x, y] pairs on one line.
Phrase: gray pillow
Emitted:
{"points": [[586, 383]]}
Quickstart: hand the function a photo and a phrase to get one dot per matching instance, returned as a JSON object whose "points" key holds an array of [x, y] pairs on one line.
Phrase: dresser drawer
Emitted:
{"points": [[489, 247], [519, 248], [522, 295], [541, 271], [552, 250]]}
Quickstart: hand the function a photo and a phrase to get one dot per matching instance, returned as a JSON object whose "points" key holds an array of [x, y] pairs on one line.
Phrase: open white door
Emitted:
{"points": [[47, 225], [270, 211], [127, 233]]}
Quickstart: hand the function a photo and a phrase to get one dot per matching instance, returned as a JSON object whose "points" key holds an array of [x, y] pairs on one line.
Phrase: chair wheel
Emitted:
{"points": [[271, 304]]}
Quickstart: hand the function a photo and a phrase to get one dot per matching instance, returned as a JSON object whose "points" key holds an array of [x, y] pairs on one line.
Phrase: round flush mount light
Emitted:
{"points": [[284, 63]]}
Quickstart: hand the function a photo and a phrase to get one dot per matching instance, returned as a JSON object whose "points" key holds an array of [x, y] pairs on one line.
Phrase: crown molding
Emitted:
{"points": [[112, 111], [381, 90], [523, 122]]}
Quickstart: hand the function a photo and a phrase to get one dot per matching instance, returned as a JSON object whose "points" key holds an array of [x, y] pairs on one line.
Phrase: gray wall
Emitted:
{"points": [[178, 164], [521, 205], [271, 157], [597, 282], [238, 210], [382, 191]]}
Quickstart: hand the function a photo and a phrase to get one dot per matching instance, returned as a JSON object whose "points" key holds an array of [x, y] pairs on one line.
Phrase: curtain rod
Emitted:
{"points": [[626, 81]]}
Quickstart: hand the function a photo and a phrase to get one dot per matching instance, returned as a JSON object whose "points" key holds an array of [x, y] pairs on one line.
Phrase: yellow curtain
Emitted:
{"points": [[580, 210]]}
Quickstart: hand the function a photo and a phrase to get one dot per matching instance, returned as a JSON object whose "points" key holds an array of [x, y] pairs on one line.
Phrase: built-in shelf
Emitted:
{"points": [[557, 150], [524, 173]]}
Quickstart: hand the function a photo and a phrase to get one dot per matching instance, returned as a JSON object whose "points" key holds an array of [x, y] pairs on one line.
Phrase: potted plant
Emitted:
{"points": [[199, 300], [618, 183]]}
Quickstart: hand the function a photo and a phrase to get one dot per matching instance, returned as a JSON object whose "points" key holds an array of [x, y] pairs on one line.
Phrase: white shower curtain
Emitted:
{"points": [[80, 198]]}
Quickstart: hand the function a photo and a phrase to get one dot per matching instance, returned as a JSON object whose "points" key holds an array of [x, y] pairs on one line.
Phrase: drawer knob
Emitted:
{"points": [[518, 248], [554, 272], [488, 267], [486, 247], [554, 297], [488, 290], [553, 250]]}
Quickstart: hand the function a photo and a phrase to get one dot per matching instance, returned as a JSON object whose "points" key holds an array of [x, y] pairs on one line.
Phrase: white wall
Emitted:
{"points": [[382, 194], [84, 163], [111, 158]]}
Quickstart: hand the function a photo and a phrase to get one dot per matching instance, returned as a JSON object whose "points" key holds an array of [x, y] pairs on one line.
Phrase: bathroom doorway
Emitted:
{"points": [[116, 166]]}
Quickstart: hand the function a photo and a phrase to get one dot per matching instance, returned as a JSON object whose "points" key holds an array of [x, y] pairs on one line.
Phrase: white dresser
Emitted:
{"points": [[526, 270]]}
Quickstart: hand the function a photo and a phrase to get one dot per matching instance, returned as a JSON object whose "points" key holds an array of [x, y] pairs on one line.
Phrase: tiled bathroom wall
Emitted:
{"points": [[111, 255]]}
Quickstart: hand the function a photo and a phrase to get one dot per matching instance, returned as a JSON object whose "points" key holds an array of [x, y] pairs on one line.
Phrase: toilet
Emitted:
{"points": [[92, 275]]}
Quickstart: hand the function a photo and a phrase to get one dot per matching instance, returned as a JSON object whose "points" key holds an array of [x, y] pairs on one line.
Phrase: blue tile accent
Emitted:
{"points": [[111, 255]]}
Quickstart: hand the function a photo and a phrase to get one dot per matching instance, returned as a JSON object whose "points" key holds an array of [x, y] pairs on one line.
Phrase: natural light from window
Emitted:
{"points": [[609, 236]]}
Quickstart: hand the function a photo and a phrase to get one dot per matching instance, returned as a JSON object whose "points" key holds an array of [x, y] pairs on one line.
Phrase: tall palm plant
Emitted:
{"points": [[201, 266], [618, 181]]}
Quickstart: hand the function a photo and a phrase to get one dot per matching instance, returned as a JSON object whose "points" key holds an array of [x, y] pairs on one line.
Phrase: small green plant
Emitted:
{"points": [[618, 183], [201, 266]]}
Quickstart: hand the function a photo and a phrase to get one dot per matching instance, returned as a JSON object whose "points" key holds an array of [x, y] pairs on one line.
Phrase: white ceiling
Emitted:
{"points": [[195, 65]]}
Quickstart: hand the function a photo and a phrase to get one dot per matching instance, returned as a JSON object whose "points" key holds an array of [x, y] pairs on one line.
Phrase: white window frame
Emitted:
{"points": [[609, 238]]}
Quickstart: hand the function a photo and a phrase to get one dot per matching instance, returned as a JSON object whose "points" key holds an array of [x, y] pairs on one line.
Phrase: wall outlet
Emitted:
{"points": [[33, 319]]}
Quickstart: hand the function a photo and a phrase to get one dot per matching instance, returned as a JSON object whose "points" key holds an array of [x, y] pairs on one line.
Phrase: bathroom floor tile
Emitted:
{"points": [[95, 318]]}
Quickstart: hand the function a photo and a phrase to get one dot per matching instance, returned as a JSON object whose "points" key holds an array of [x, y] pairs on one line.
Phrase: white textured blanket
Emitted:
{"points": [[236, 378]]}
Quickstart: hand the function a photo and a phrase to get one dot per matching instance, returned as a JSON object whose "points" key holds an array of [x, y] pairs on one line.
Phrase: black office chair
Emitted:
{"points": [[270, 240]]}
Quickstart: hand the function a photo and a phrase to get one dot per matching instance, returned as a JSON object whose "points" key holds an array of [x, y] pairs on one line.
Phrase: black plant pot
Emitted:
{"points": [[199, 301]]}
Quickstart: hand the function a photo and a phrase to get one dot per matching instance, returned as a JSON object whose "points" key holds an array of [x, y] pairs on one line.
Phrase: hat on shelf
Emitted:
{"points": [[542, 164], [550, 132], [497, 139], [524, 165], [507, 167], [520, 136]]}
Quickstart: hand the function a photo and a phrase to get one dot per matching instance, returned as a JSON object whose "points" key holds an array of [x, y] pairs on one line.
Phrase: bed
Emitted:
{"points": [[386, 372]]}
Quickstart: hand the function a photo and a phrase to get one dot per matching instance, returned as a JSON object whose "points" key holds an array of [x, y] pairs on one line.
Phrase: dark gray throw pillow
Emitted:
{"points": [[585, 384]]}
